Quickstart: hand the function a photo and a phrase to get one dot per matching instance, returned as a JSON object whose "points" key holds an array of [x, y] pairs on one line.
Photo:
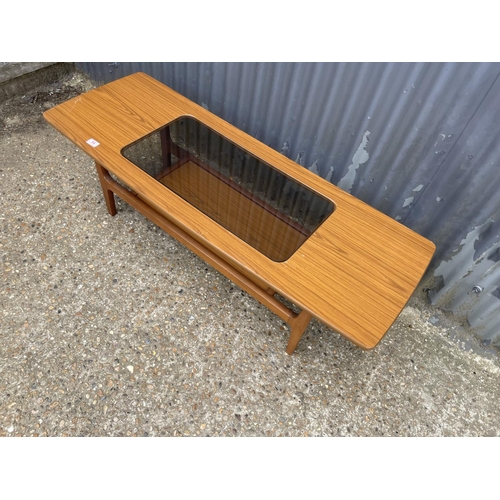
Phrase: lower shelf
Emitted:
{"points": [[253, 222]]}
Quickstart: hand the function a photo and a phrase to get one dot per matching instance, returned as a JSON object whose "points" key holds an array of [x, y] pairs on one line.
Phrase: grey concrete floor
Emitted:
{"points": [[109, 327]]}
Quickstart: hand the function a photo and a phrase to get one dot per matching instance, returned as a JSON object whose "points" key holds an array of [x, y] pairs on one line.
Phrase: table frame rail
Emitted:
{"points": [[298, 322]]}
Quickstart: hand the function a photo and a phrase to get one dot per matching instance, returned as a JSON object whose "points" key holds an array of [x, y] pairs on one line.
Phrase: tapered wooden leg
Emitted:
{"points": [[298, 327], [166, 151], [108, 194]]}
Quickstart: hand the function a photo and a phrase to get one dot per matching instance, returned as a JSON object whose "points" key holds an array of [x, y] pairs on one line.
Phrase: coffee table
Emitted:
{"points": [[271, 226]]}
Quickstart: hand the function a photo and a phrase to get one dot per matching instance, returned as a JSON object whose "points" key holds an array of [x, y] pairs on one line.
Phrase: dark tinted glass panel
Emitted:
{"points": [[257, 203]]}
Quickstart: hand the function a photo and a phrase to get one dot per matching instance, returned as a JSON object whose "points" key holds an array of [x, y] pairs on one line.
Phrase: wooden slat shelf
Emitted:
{"points": [[233, 210]]}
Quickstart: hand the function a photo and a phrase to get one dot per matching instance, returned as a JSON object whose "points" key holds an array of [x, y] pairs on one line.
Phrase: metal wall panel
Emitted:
{"points": [[418, 141]]}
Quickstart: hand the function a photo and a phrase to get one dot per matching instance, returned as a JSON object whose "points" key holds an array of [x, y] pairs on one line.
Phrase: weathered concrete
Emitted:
{"points": [[18, 78], [11, 70], [109, 327]]}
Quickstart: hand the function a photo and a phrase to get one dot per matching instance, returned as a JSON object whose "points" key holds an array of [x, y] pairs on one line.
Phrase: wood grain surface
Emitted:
{"points": [[355, 273]]}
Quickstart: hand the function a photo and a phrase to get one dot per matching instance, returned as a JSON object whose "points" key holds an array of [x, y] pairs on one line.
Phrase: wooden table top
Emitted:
{"points": [[355, 273]]}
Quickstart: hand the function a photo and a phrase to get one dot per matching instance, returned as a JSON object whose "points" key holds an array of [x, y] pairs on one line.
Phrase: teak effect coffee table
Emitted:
{"points": [[269, 225]]}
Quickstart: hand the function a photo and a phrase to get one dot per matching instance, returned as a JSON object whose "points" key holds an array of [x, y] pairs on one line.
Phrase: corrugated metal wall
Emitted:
{"points": [[418, 141]]}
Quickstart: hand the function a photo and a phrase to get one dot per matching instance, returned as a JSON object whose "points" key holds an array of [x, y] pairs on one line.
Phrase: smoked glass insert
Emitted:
{"points": [[266, 209]]}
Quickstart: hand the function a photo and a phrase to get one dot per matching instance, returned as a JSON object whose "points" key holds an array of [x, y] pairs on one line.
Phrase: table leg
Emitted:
{"points": [[105, 179], [166, 147], [298, 326]]}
